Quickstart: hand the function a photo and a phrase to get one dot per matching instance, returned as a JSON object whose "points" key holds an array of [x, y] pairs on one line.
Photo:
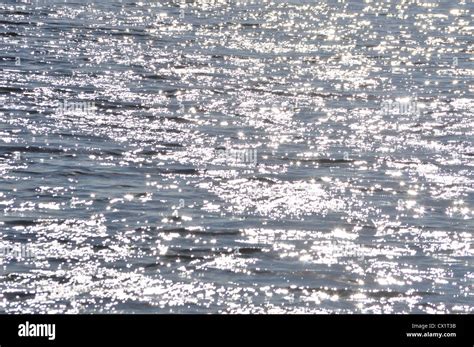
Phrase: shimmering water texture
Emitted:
{"points": [[235, 157]]}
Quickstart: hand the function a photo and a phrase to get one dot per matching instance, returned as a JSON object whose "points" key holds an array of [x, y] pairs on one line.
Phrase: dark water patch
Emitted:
{"points": [[29, 149], [9, 34], [18, 295], [191, 172], [8, 90], [199, 231], [179, 120], [21, 222], [171, 144], [248, 250]]}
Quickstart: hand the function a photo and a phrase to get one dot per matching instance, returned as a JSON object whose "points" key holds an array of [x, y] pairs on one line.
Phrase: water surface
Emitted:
{"points": [[128, 206]]}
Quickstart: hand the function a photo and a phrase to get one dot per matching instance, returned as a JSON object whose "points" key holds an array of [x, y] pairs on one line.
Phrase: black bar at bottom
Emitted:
{"points": [[156, 330]]}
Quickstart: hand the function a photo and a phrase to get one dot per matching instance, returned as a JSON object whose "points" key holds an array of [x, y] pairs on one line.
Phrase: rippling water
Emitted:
{"points": [[236, 156]]}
